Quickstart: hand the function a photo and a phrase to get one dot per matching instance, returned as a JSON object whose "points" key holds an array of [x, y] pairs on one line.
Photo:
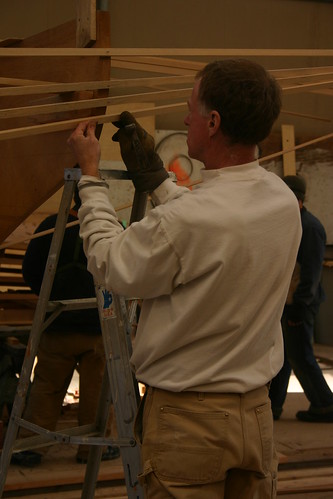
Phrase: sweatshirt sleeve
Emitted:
{"points": [[138, 261]]}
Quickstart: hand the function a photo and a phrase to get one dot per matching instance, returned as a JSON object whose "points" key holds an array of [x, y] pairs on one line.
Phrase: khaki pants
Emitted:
{"points": [[202, 445]]}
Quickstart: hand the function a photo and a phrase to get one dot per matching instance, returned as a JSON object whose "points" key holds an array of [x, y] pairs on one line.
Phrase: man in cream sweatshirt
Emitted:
{"points": [[213, 267]]}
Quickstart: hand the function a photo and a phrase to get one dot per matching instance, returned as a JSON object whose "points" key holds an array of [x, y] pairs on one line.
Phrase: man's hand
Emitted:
{"points": [[137, 149], [86, 148]]}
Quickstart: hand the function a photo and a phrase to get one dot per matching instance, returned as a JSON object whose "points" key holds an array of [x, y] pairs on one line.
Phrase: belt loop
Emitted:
{"points": [[201, 396]]}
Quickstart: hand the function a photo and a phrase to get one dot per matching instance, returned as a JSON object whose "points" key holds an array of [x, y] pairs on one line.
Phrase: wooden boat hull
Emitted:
{"points": [[32, 168]]}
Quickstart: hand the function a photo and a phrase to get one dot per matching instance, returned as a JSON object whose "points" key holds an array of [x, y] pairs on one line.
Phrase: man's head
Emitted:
{"points": [[297, 184], [246, 97]]}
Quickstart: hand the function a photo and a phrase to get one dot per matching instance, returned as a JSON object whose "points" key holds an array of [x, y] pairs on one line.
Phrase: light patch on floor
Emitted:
{"points": [[293, 387]]}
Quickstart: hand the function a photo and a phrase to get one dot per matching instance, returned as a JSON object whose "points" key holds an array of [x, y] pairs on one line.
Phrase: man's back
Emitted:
{"points": [[230, 287]]}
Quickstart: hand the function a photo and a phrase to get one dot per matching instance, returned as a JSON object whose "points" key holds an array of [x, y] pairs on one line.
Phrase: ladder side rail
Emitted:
{"points": [[95, 453], [116, 333], [123, 385], [37, 326]]}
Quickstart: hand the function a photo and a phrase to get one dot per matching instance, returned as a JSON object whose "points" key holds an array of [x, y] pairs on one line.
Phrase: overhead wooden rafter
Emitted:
{"points": [[46, 90]]}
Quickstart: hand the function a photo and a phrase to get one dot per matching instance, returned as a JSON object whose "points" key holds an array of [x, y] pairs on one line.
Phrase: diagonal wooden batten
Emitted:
{"points": [[20, 82], [71, 124], [138, 97], [95, 85], [163, 61], [156, 65], [148, 68], [308, 116], [295, 148], [305, 76], [94, 103], [305, 87], [30, 87], [109, 101], [291, 72], [168, 52]]}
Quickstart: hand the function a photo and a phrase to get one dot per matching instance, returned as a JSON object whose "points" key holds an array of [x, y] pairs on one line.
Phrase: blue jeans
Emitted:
{"points": [[300, 358]]}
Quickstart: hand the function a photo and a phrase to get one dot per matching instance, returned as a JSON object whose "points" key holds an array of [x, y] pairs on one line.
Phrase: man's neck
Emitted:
{"points": [[230, 156]]}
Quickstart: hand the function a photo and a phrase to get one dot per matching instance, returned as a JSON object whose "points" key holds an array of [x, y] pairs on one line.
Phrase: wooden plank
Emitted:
{"points": [[299, 474], [11, 317], [28, 298], [299, 146], [305, 495], [163, 62], [306, 484], [73, 474], [101, 492], [288, 142], [93, 85], [11, 279], [164, 52], [20, 82], [58, 126], [292, 72], [306, 87], [96, 85], [139, 66], [95, 103]]}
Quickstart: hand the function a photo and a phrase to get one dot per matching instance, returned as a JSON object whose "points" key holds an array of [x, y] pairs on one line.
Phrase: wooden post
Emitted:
{"points": [[288, 142], [85, 23]]}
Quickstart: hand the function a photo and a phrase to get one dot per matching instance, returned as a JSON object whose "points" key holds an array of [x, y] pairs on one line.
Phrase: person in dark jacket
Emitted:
{"points": [[303, 302], [72, 341]]}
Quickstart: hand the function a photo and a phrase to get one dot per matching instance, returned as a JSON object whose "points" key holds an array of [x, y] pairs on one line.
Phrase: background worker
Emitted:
{"points": [[213, 267], [299, 318], [72, 341]]}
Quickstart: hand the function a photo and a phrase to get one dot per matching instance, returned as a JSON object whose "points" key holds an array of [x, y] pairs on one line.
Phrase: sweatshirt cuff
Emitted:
{"points": [[90, 181], [165, 191]]}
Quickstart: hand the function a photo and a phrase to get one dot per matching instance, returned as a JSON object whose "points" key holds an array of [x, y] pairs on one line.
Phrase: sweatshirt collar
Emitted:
{"points": [[239, 171]]}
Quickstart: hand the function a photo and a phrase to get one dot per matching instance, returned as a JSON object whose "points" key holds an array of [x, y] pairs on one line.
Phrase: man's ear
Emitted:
{"points": [[214, 122]]}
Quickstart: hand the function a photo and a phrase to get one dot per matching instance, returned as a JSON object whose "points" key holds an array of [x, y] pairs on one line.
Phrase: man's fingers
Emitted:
{"points": [[83, 129], [90, 129]]}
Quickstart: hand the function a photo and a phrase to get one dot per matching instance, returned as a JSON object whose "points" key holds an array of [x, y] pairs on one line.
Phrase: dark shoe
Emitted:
{"points": [[112, 452], [315, 417], [276, 411], [27, 458]]}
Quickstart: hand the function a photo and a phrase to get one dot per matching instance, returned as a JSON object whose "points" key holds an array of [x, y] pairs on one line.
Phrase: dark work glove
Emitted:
{"points": [[137, 149]]}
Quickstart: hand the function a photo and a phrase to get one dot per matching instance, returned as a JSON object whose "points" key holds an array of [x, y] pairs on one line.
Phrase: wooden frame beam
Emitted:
{"points": [[166, 52], [288, 142], [85, 23]]}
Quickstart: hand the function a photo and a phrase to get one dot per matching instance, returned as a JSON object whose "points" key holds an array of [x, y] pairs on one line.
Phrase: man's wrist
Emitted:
{"points": [[90, 170]]}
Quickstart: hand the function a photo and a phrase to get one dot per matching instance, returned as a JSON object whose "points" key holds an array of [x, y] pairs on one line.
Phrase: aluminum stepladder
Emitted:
{"points": [[119, 385]]}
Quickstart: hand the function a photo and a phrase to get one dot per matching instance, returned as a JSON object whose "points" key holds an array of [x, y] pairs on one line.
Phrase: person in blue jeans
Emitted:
{"points": [[303, 302]]}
